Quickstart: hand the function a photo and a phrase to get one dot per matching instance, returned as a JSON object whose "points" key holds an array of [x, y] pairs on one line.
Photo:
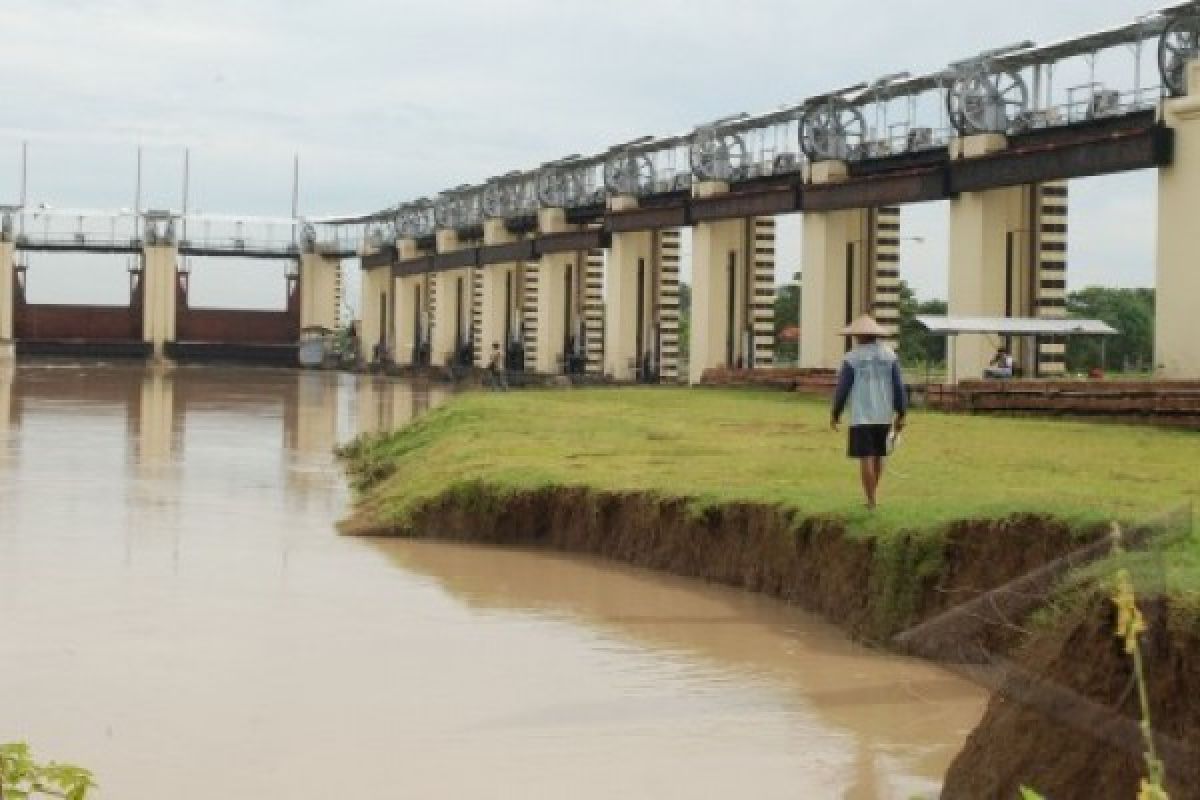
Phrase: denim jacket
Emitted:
{"points": [[871, 383]]}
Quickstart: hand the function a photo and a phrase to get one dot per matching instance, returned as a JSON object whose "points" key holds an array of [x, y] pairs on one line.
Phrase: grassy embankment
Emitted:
{"points": [[776, 449]]}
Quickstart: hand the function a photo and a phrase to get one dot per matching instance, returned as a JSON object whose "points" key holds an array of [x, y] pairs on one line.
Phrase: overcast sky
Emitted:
{"points": [[387, 100]]}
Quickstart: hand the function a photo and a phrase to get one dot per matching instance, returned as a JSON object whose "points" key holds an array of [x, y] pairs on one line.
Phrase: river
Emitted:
{"points": [[178, 614]]}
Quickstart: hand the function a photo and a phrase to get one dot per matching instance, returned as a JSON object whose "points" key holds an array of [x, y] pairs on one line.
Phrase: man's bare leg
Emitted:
{"points": [[869, 480]]}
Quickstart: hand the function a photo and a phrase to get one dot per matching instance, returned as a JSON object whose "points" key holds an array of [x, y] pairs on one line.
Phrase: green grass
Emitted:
{"points": [[744, 445]]}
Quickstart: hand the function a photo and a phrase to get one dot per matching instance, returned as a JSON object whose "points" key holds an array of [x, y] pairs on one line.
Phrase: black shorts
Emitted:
{"points": [[867, 441]]}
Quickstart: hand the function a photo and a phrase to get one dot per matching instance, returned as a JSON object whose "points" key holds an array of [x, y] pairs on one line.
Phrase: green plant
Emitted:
{"points": [[22, 778], [1131, 625]]}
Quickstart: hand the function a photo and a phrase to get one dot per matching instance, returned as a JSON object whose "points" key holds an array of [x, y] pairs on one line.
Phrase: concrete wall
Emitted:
{"points": [[1176, 337]]}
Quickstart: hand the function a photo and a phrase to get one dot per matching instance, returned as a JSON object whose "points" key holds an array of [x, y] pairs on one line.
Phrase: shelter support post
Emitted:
{"points": [[160, 265], [1176, 335]]}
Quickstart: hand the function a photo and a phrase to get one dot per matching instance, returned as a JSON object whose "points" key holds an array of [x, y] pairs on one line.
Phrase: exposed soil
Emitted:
{"points": [[872, 591], [1065, 720]]}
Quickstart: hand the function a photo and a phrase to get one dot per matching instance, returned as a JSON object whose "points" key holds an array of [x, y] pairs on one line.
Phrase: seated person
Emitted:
{"points": [[1001, 367]]}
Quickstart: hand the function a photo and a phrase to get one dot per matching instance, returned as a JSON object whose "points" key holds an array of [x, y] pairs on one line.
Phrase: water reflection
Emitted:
{"points": [[175, 597], [907, 718]]}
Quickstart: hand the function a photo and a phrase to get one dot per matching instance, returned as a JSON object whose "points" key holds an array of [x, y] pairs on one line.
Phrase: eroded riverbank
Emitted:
{"points": [[467, 475], [172, 585]]}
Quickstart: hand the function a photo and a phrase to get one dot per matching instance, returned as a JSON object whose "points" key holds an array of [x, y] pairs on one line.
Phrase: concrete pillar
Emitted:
{"points": [[320, 291], [159, 293], [850, 268], [718, 291], [8, 279], [451, 313], [410, 303], [502, 289], [529, 314], [632, 254], [733, 292], [1176, 333], [557, 292], [996, 242], [377, 312]]}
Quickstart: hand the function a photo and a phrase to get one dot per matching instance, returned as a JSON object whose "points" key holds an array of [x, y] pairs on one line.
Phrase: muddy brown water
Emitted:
{"points": [[179, 615]]}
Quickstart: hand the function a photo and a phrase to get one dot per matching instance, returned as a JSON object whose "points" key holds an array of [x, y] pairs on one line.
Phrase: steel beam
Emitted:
{"points": [[647, 219], [1123, 152], [457, 259], [384, 257], [876, 191], [508, 253], [413, 266], [737, 205], [572, 242]]}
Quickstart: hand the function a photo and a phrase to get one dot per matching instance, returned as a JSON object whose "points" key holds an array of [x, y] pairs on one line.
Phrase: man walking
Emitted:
{"points": [[871, 384]]}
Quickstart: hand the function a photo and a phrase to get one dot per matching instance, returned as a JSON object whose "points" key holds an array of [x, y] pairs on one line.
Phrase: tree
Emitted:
{"points": [[685, 319], [1131, 312], [787, 315], [916, 346]]}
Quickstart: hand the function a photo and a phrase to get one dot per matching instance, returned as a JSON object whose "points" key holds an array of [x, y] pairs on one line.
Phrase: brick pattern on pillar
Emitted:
{"points": [[528, 305], [593, 309], [886, 302], [1051, 298], [763, 306], [669, 243], [477, 315]]}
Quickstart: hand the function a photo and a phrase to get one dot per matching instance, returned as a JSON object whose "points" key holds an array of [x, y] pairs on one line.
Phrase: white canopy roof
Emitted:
{"points": [[1016, 326]]}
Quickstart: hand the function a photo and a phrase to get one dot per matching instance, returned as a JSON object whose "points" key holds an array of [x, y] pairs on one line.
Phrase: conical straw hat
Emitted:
{"points": [[865, 326]]}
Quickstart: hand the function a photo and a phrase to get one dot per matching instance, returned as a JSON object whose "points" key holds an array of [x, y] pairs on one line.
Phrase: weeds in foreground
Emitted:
{"points": [[22, 778], [1131, 624]]}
